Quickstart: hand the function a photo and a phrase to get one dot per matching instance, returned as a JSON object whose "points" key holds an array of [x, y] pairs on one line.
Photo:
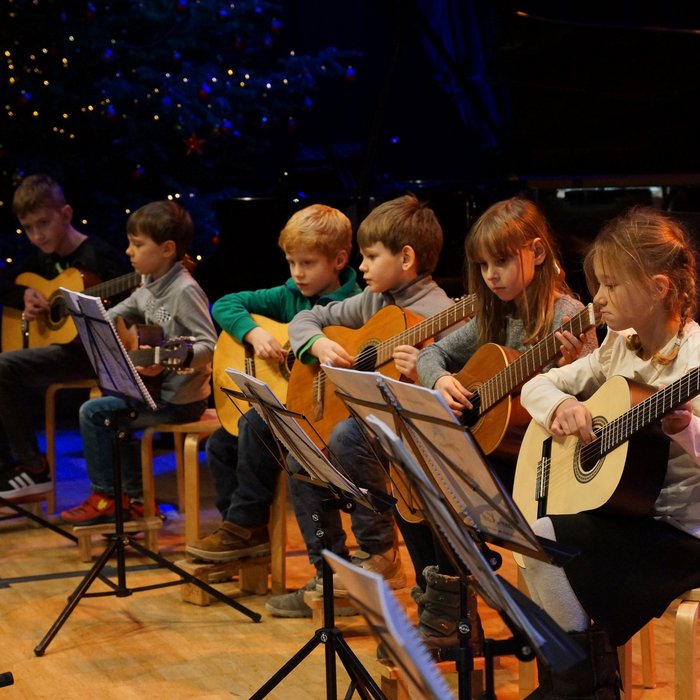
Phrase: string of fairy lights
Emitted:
{"points": [[157, 95]]}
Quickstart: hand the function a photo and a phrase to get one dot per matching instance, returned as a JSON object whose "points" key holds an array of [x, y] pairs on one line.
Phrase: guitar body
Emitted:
{"points": [[313, 396], [626, 480], [55, 326], [230, 353], [500, 427]]}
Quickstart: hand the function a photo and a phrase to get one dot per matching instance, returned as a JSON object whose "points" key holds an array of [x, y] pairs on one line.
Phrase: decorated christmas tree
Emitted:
{"points": [[125, 101]]}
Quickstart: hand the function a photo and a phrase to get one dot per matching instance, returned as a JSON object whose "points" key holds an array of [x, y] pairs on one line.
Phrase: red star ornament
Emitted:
{"points": [[193, 144]]}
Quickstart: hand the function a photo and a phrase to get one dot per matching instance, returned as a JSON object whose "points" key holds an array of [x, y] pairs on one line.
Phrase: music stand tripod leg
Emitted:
{"points": [[117, 543], [329, 635]]}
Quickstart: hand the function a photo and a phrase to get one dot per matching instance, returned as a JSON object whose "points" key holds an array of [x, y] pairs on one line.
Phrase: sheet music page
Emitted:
{"points": [[292, 435], [115, 371], [360, 389], [387, 619], [460, 468]]}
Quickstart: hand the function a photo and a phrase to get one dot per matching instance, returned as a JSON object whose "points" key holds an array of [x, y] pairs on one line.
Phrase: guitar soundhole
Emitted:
{"points": [[57, 312], [587, 458], [286, 366], [366, 360]]}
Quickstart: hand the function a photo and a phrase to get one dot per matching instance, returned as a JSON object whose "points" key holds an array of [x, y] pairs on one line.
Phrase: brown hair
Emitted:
{"points": [[639, 244], [35, 192], [404, 221], [504, 229], [317, 227], [163, 221]]}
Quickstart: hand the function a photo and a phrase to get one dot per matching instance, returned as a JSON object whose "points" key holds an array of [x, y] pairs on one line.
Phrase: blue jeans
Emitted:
{"points": [[35, 368], [245, 470], [352, 454], [100, 419]]}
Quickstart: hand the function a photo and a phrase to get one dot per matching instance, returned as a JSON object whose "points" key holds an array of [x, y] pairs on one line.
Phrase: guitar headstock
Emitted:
{"points": [[174, 353]]}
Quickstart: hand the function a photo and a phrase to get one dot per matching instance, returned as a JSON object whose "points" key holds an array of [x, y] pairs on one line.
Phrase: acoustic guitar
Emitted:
{"points": [[372, 346], [494, 373], [229, 353], [56, 325], [146, 346], [621, 471]]}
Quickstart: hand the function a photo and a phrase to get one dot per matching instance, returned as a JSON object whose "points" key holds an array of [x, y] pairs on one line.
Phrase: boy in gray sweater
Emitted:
{"points": [[159, 234]]}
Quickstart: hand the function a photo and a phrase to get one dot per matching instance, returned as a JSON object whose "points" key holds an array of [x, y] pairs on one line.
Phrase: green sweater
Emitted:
{"points": [[232, 312]]}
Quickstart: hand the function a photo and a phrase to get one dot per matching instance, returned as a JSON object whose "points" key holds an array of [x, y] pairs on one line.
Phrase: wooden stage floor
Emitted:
{"points": [[151, 645]]}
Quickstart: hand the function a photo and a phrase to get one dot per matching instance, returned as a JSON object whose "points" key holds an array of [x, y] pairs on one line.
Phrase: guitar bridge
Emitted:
{"points": [[319, 395]]}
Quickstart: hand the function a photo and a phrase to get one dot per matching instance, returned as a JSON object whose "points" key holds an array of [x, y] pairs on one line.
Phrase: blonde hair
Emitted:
{"points": [[163, 221], [35, 192], [638, 245], [404, 221], [317, 227], [504, 229]]}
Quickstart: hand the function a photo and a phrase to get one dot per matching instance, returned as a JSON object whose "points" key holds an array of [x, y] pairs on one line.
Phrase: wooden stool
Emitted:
{"points": [[50, 427], [84, 533], [277, 562], [394, 686], [314, 600], [251, 572], [186, 438]]}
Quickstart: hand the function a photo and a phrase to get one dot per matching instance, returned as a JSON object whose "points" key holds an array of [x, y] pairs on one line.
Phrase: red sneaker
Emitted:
{"points": [[95, 509]]}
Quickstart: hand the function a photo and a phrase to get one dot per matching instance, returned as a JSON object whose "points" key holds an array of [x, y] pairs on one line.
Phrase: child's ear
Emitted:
{"points": [[341, 260], [408, 257], [539, 251], [66, 214], [662, 285], [169, 248]]}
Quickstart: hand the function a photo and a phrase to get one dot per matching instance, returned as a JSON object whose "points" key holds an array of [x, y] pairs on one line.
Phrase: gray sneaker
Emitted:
{"points": [[293, 605]]}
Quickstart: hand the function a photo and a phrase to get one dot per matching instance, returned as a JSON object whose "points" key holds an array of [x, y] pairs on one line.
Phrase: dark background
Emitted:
{"points": [[587, 107]]}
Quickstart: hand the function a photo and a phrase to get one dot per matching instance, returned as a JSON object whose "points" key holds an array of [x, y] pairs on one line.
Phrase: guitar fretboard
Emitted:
{"points": [[644, 413], [114, 286], [421, 331], [531, 361]]}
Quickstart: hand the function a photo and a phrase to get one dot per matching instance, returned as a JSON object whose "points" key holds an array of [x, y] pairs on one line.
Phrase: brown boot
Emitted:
{"points": [[231, 541]]}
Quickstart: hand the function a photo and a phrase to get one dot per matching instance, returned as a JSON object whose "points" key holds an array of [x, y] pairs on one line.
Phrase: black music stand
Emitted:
{"points": [[343, 494], [464, 503], [117, 376], [371, 595]]}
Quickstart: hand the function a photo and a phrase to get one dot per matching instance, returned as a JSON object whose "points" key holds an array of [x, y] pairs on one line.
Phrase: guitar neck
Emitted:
{"points": [[107, 289], [644, 413], [423, 330], [531, 361]]}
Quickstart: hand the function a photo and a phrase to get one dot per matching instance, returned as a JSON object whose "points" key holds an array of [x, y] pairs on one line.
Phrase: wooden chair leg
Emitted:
{"points": [[147, 478], [191, 487], [686, 650], [278, 538], [179, 441], [527, 670], [646, 639]]}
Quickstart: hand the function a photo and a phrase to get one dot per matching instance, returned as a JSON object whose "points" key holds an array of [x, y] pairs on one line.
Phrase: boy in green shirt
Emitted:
{"points": [[316, 241]]}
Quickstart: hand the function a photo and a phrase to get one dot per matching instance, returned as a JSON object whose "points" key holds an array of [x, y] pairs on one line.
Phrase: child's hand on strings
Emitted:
{"points": [[265, 345], [570, 346], [456, 396], [678, 419], [573, 418], [35, 303], [331, 353], [405, 359]]}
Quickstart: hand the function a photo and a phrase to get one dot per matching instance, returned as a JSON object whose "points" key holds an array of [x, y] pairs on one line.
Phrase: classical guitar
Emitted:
{"points": [[56, 325], [146, 346], [372, 347], [230, 353], [494, 373], [621, 471]]}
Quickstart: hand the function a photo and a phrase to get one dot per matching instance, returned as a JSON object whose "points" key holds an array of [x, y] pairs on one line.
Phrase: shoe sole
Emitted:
{"points": [[259, 550], [338, 612], [94, 521], [33, 490]]}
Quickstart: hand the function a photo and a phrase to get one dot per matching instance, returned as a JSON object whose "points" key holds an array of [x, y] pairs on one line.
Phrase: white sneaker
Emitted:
{"points": [[387, 565]]}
